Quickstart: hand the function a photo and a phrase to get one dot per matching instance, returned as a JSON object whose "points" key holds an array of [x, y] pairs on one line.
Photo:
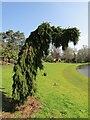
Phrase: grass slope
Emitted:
{"points": [[63, 92]]}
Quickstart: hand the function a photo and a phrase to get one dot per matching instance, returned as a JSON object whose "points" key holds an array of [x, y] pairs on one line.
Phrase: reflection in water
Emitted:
{"points": [[84, 70]]}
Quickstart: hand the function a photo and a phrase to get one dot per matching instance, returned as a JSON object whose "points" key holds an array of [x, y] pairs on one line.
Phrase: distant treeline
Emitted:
{"points": [[69, 55], [11, 43]]}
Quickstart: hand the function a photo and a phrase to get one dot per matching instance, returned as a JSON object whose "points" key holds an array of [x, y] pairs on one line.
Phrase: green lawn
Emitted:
{"points": [[63, 92]]}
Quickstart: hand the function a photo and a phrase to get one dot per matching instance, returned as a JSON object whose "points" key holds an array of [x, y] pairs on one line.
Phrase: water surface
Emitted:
{"points": [[84, 69]]}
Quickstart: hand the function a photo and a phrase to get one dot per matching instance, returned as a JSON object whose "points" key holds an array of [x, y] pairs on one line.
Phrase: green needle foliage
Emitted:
{"points": [[30, 57]]}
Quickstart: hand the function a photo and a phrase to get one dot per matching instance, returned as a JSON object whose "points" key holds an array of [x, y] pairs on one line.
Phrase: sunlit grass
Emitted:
{"points": [[63, 92]]}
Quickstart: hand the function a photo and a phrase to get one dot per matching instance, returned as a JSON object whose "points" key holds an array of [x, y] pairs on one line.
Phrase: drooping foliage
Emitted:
{"points": [[69, 35], [30, 57]]}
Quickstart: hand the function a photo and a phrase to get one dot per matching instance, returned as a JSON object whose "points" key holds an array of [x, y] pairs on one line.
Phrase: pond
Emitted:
{"points": [[84, 69]]}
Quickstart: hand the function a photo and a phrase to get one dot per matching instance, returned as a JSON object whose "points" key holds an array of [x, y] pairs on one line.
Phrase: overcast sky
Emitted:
{"points": [[26, 16]]}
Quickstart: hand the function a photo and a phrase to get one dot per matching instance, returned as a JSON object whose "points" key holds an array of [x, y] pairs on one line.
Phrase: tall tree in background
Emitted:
{"points": [[11, 44], [30, 56]]}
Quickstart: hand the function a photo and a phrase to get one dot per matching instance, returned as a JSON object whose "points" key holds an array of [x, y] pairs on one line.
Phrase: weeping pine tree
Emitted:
{"points": [[30, 56]]}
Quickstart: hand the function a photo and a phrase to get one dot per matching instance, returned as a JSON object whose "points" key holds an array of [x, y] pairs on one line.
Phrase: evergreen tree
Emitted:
{"points": [[30, 57]]}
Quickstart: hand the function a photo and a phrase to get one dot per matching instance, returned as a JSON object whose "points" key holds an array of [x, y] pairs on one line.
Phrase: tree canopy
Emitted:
{"points": [[30, 56], [11, 43]]}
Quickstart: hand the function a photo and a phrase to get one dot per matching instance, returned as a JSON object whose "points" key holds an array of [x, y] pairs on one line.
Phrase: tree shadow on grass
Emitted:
{"points": [[7, 105], [13, 109]]}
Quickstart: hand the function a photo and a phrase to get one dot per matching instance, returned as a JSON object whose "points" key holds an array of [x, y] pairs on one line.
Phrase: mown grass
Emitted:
{"points": [[7, 73], [63, 92]]}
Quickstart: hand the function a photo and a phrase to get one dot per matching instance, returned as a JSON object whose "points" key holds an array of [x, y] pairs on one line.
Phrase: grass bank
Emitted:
{"points": [[63, 92]]}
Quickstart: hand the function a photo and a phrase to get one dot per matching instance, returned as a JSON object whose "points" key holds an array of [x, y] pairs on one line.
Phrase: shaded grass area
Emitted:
{"points": [[7, 104], [63, 92]]}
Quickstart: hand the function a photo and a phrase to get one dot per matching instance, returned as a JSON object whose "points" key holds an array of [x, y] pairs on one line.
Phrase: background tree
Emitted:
{"points": [[30, 56], [11, 44], [83, 54], [68, 55], [54, 55]]}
